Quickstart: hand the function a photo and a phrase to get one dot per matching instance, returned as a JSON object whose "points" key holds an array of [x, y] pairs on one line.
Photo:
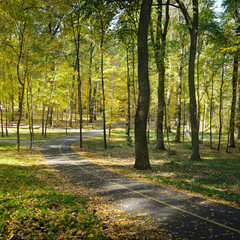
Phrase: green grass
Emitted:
{"points": [[34, 205], [216, 176]]}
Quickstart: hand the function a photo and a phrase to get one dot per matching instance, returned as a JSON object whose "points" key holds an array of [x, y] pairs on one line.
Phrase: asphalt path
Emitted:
{"points": [[182, 215]]}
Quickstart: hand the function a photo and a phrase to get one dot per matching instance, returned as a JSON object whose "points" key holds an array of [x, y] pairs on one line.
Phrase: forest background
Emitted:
{"points": [[78, 60]]}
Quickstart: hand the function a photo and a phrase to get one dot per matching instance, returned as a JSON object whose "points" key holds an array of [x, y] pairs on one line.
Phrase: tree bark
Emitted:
{"points": [[192, 24], [179, 92], [1, 116], [220, 110], [159, 46], [129, 102], [103, 95], [211, 112], [141, 146], [234, 101], [238, 115], [193, 108], [43, 96], [71, 104], [90, 108]]}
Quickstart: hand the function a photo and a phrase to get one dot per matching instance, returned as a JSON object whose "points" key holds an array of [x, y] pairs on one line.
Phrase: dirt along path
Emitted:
{"points": [[182, 215]]}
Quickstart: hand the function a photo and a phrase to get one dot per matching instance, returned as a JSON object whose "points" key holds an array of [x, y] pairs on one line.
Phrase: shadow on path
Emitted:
{"points": [[182, 215]]}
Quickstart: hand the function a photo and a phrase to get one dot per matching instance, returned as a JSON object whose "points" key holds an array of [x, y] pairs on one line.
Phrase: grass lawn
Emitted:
{"points": [[36, 203], [217, 176]]}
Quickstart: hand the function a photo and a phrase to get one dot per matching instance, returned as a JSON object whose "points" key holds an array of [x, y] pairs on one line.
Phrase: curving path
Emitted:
{"points": [[182, 215]]}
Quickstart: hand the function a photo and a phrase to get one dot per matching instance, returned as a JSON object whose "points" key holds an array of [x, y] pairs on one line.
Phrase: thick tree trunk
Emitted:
{"points": [[141, 146], [234, 101]]}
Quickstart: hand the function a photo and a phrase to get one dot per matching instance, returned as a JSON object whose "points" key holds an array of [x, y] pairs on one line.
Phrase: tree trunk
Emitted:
{"points": [[204, 119], [71, 104], [192, 24], [179, 92], [234, 101], [193, 108], [20, 115], [238, 112], [159, 46], [103, 96], [220, 110], [184, 113], [1, 113], [6, 119], [12, 101], [93, 104], [79, 94], [141, 146], [129, 102], [43, 98], [211, 112], [133, 78], [49, 103], [29, 107], [90, 108]]}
